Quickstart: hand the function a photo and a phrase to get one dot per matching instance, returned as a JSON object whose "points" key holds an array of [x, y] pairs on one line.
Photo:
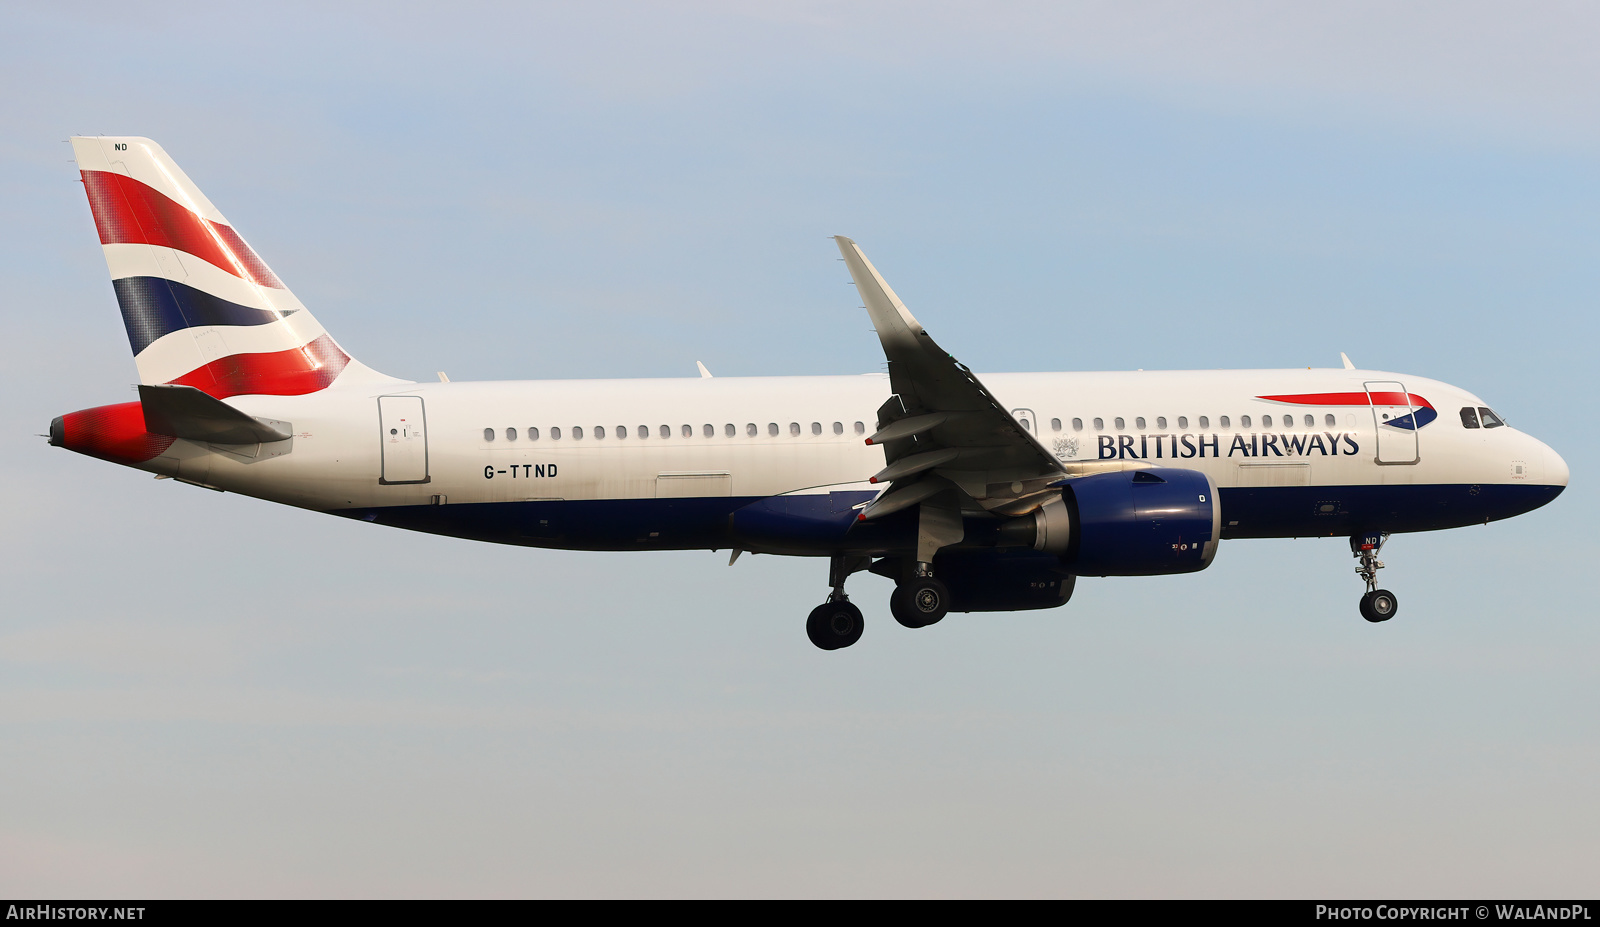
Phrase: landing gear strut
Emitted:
{"points": [[921, 600], [836, 623], [1378, 604]]}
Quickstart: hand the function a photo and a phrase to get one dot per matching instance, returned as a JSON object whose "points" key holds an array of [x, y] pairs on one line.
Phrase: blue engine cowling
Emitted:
{"points": [[1141, 523], [1008, 580]]}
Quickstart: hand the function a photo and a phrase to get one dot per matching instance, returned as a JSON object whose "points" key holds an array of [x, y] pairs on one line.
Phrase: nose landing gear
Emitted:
{"points": [[1378, 604]]}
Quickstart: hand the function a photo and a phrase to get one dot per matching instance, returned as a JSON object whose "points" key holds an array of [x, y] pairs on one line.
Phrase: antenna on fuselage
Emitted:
{"points": [[1346, 358]]}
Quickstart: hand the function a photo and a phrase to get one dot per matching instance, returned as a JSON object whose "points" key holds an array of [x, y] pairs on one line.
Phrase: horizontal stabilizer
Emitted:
{"points": [[186, 412]]}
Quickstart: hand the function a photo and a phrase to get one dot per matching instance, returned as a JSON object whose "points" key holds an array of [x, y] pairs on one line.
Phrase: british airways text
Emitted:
{"points": [[1146, 447]]}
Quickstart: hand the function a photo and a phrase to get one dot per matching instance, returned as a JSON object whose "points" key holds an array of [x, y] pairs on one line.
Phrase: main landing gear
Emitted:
{"points": [[921, 600], [836, 623], [918, 601], [1378, 604]]}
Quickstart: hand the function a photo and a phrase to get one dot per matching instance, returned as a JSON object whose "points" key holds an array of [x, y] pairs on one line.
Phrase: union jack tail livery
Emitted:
{"points": [[200, 306]]}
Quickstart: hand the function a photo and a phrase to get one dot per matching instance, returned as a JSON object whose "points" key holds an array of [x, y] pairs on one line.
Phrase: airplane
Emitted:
{"points": [[972, 493]]}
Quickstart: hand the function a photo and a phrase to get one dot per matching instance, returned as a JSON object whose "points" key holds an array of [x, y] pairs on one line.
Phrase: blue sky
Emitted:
{"points": [[202, 694]]}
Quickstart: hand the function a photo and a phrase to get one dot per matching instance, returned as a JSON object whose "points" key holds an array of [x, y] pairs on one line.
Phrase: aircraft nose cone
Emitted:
{"points": [[1555, 468]]}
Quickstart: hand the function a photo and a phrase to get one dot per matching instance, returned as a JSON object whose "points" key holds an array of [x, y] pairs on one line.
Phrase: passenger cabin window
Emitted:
{"points": [[729, 430], [1205, 422], [794, 429], [1099, 424], [751, 429], [599, 432], [511, 434], [1055, 424], [772, 429], [1077, 424], [577, 432], [838, 428], [488, 434], [1183, 423], [861, 428], [1469, 417], [816, 428], [555, 433], [1266, 421], [644, 431], [1490, 420], [666, 431], [533, 433], [1139, 423], [1223, 421], [1244, 421], [1328, 420], [1161, 422], [1121, 425], [622, 432]]}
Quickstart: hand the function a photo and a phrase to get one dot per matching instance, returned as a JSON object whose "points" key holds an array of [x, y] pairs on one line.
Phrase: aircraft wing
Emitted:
{"points": [[942, 428]]}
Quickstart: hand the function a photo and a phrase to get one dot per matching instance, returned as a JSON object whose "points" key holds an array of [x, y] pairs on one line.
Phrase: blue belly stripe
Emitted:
{"points": [[704, 524]]}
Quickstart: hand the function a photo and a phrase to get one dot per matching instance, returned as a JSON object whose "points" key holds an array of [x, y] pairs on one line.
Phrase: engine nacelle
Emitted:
{"points": [[1007, 580], [1134, 523]]}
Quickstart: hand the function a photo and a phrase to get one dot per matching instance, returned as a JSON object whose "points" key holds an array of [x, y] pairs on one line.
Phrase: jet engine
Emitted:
{"points": [[1132, 523]]}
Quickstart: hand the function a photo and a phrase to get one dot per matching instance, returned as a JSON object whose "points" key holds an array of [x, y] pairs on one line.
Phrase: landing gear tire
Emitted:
{"points": [[920, 602], [833, 625], [1379, 605]]}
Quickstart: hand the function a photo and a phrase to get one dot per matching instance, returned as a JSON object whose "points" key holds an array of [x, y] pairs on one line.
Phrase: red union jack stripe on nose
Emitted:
{"points": [[129, 212], [1423, 411]]}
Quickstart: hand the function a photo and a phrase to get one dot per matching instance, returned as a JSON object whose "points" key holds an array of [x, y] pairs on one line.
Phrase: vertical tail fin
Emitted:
{"points": [[200, 307]]}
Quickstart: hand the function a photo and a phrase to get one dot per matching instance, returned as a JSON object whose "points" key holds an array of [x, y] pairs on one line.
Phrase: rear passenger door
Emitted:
{"points": [[403, 433]]}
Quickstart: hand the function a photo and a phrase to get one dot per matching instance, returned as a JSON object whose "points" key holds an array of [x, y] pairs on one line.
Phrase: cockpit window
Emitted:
{"points": [[1490, 420], [1469, 417]]}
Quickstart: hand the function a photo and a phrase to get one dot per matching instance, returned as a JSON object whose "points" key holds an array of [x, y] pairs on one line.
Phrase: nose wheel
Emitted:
{"points": [[1378, 604]]}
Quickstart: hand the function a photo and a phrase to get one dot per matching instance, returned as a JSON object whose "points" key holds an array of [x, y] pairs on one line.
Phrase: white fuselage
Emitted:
{"points": [[763, 436]]}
